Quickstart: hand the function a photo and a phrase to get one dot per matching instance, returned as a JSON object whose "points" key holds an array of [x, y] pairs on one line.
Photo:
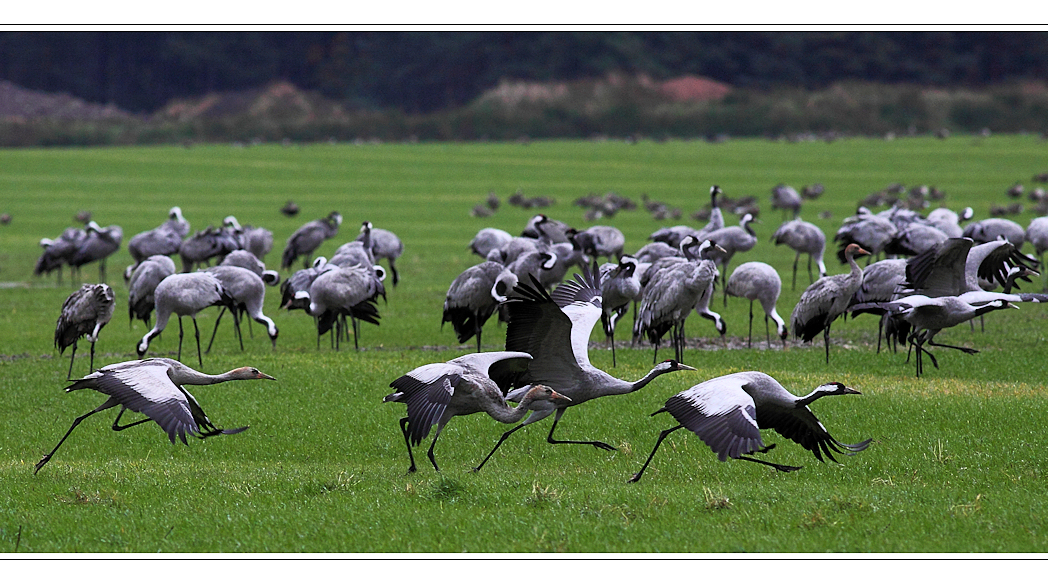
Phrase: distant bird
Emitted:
{"points": [[142, 284], [154, 387], [99, 244], [728, 412], [555, 330], [802, 237], [786, 198], [248, 292], [488, 239], [206, 245], [306, 239], [994, 228], [732, 239], [437, 392], [385, 245], [759, 281], [290, 208], [165, 239], [185, 295], [949, 221], [469, 303], [59, 251], [822, 302], [347, 291], [84, 312], [257, 240], [601, 241], [542, 227], [1037, 235], [868, 231], [619, 287], [294, 292], [672, 289]]}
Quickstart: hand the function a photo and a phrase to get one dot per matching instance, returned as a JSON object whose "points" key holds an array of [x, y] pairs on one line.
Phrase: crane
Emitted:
{"points": [[437, 392], [185, 294], [728, 413], [84, 312], [822, 302], [759, 281], [555, 329], [153, 387]]}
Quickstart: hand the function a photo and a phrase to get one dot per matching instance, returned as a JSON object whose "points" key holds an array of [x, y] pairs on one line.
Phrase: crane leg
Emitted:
{"points": [[91, 367], [826, 341], [560, 412], [69, 376], [217, 320], [962, 349], [796, 258], [407, 440], [749, 340], [662, 436], [779, 467], [196, 333], [433, 444], [116, 423], [505, 435], [108, 404], [767, 330], [180, 334]]}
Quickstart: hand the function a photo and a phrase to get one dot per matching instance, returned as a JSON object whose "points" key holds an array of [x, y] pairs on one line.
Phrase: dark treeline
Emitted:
{"points": [[420, 72]]}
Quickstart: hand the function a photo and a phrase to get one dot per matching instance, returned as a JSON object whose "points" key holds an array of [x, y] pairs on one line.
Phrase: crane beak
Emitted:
{"points": [[683, 367], [848, 390], [560, 396], [264, 376]]}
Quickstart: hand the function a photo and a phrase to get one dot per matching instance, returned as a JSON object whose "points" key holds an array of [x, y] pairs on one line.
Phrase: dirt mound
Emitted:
{"points": [[18, 104], [692, 88], [280, 101]]}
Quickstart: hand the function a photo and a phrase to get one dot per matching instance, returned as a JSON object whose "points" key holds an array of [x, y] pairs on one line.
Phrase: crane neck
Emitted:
{"points": [[502, 412]]}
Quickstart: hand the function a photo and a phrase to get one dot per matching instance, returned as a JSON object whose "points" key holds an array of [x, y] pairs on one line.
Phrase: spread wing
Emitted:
{"points": [[539, 327], [720, 413], [427, 391], [801, 426]]}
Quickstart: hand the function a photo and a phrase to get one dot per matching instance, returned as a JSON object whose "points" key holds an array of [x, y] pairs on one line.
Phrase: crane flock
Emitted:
{"points": [[945, 277]]}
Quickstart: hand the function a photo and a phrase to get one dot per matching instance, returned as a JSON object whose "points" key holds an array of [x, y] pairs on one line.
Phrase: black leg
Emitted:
{"points": [[560, 412], [196, 333], [116, 423], [91, 367], [662, 436], [69, 377], [431, 445], [180, 334], [108, 404], [779, 467], [407, 440], [217, 320], [826, 341], [795, 258], [505, 435], [749, 339]]}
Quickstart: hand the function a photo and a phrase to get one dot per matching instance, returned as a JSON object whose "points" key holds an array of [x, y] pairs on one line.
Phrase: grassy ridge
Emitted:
{"points": [[954, 467]]}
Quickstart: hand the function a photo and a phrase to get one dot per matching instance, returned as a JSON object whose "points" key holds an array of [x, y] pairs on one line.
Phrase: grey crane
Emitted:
{"points": [[728, 413], [802, 237], [552, 230], [1037, 235], [385, 245], [245, 259], [655, 251], [184, 294], [518, 246], [358, 252], [206, 245], [567, 254], [601, 241], [154, 387], [437, 392], [144, 280], [530, 263], [732, 239], [165, 239], [994, 228], [759, 281], [488, 239], [957, 266], [469, 304], [256, 240], [555, 329], [248, 292], [870, 232], [914, 239], [948, 221], [84, 312], [99, 244], [702, 308], [59, 251], [306, 239], [822, 302], [619, 287], [346, 291], [716, 220], [785, 197], [881, 282], [672, 236], [672, 289], [294, 292], [928, 316]]}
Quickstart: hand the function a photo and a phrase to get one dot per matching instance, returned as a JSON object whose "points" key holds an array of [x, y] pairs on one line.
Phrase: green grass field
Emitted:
{"points": [[957, 464]]}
